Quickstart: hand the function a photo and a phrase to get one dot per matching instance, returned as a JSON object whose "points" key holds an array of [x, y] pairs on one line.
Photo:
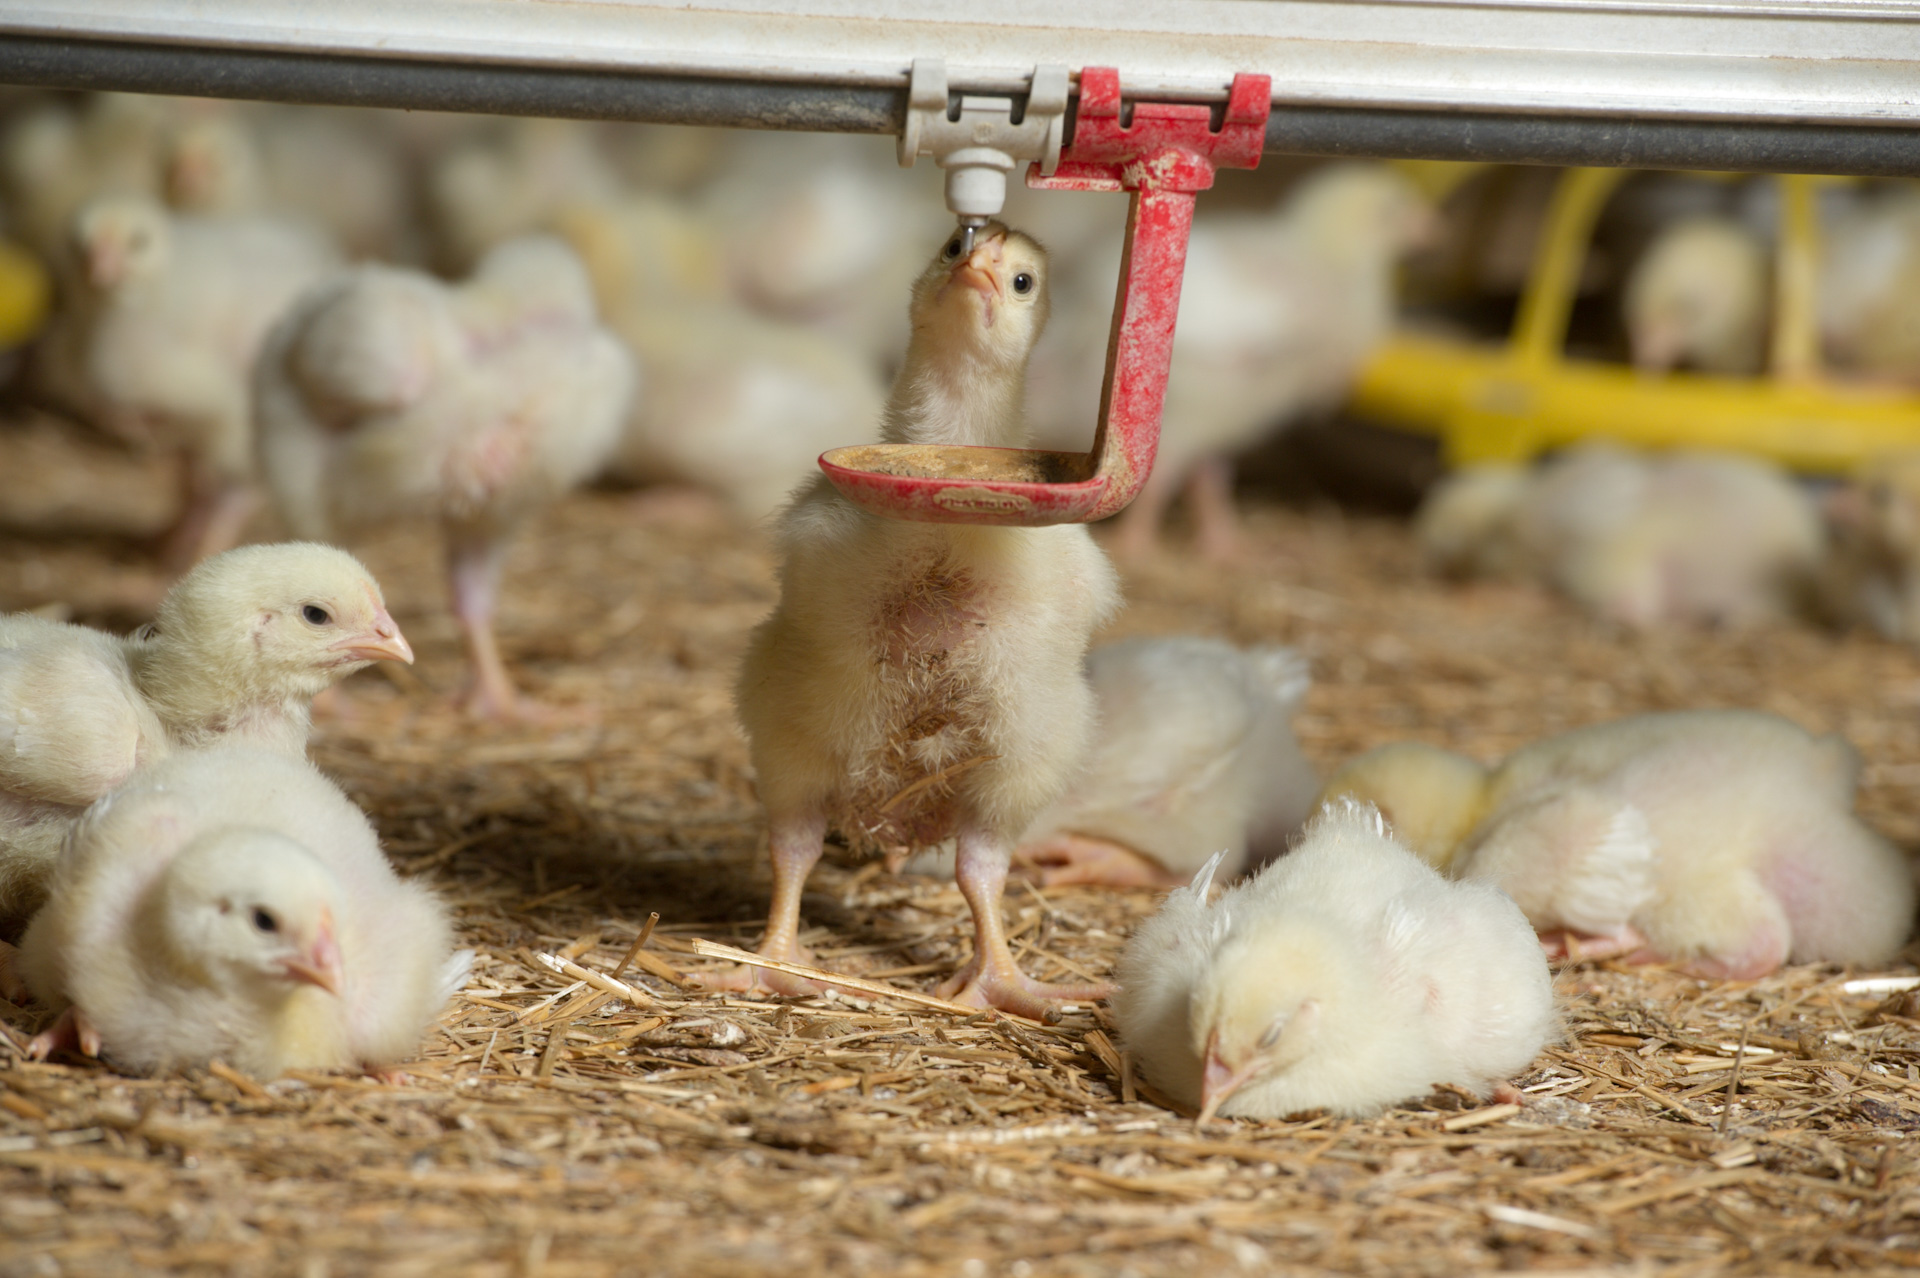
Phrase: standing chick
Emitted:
{"points": [[1688, 537], [921, 681], [240, 648], [1278, 311], [385, 393], [232, 904], [1345, 976], [1698, 297], [1721, 840], [1195, 753], [180, 307]]}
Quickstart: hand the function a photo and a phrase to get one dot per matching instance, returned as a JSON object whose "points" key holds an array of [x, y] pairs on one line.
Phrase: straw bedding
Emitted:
{"points": [[551, 1128]]}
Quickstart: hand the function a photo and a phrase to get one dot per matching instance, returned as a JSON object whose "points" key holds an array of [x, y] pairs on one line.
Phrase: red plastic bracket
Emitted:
{"points": [[1165, 154]]}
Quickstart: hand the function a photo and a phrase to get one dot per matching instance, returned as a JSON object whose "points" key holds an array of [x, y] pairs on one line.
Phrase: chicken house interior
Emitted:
{"points": [[1272, 638]]}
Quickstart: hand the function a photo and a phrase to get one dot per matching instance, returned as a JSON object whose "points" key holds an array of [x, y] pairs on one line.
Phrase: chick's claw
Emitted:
{"points": [[1066, 859], [1007, 988], [72, 1031]]}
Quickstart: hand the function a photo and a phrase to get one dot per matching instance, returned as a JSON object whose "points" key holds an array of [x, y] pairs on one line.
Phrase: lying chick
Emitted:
{"points": [[1345, 976], [385, 393], [1690, 537], [232, 904], [1194, 752], [1721, 840], [920, 681], [179, 308], [241, 646], [1872, 576], [1699, 297]]}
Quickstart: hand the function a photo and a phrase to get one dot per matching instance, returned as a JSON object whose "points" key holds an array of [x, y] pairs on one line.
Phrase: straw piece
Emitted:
{"points": [[713, 949], [630, 994]]}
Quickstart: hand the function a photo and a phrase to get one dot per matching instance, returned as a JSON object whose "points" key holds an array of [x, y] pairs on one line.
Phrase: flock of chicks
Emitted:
{"points": [[192, 888]]}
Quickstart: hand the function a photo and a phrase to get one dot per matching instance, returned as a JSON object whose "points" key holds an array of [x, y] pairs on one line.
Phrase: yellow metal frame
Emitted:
{"points": [[25, 295], [1511, 401]]}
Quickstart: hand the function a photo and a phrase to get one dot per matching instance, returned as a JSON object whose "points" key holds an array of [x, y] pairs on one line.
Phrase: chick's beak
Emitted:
{"points": [[320, 965], [1218, 1080], [382, 641], [106, 264], [977, 270]]}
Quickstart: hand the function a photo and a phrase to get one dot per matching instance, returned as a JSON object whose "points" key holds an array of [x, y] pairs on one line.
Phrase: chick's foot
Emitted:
{"points": [[1565, 945], [797, 841], [1064, 859], [1005, 986], [72, 1030], [747, 979]]}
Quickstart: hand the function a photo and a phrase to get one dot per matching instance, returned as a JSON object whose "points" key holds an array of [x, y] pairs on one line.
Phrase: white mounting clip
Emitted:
{"points": [[980, 148]]}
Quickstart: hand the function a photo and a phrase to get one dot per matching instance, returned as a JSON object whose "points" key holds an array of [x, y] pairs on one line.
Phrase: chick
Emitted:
{"points": [[1194, 753], [232, 904], [1277, 312], [1698, 297], [1345, 976], [385, 393], [1688, 537], [510, 178], [240, 647], [1721, 840], [1872, 575], [180, 308], [56, 157], [1869, 323], [920, 681]]}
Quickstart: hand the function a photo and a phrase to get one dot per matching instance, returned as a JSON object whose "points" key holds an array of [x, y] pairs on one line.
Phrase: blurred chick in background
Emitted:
{"points": [[1641, 540], [1277, 312], [509, 177], [240, 648], [1345, 976], [1721, 840], [1872, 575], [1870, 283], [177, 309], [232, 904], [737, 405], [1699, 297], [385, 393]]}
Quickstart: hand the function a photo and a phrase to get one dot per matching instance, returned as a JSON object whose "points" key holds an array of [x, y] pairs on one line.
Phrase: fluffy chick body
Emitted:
{"points": [[1690, 537], [1194, 753], [1699, 297], [385, 393], [1724, 840], [233, 655], [154, 986], [1345, 976]]}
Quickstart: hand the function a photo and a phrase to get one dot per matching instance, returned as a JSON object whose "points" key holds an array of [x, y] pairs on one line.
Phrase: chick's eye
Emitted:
{"points": [[265, 921], [316, 615], [952, 250], [1023, 283], [1272, 1035]]}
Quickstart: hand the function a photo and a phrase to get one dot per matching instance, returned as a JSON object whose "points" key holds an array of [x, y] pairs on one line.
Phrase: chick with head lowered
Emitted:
{"points": [[385, 393], [233, 904], [241, 646], [921, 681], [1345, 976]]}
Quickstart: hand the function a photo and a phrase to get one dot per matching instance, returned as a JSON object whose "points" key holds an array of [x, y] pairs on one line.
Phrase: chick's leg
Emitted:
{"points": [[1136, 530], [1064, 858], [474, 561], [798, 840], [214, 511], [1216, 523], [991, 978]]}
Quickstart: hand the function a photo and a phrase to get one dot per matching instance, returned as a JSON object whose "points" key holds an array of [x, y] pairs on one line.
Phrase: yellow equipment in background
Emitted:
{"points": [[25, 293], [1512, 401]]}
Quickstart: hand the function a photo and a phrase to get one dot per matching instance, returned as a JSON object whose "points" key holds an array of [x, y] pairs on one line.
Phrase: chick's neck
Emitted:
{"points": [[951, 392], [201, 698]]}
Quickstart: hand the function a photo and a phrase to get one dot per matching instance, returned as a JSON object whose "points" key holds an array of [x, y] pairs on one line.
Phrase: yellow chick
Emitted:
{"points": [[385, 394], [1721, 840], [241, 646], [1641, 540], [1699, 297], [232, 904], [179, 308], [921, 681], [1278, 310], [1345, 976]]}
